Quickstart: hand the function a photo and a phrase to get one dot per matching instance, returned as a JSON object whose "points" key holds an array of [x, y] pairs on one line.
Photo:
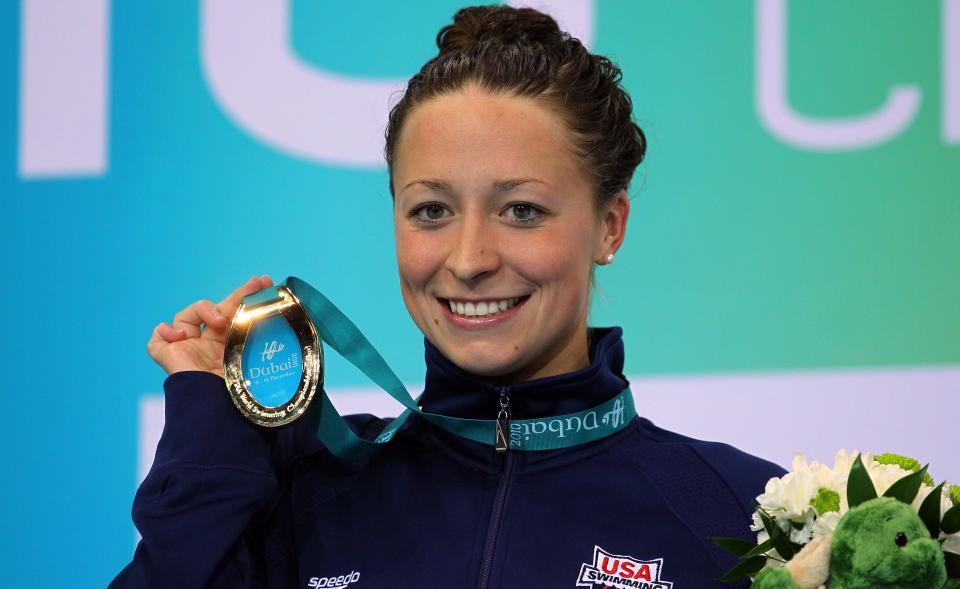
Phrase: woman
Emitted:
{"points": [[509, 158]]}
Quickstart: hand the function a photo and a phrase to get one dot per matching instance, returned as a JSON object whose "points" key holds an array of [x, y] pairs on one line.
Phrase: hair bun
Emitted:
{"points": [[476, 24]]}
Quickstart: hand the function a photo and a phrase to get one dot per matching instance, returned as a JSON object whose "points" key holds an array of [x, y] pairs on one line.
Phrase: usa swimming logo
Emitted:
{"points": [[621, 572]]}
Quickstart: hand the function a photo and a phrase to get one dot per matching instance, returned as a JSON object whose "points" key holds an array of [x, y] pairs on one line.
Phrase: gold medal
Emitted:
{"points": [[273, 361]]}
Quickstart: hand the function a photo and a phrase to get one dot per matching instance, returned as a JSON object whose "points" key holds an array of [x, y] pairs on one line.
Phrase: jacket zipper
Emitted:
{"points": [[502, 440], [503, 488]]}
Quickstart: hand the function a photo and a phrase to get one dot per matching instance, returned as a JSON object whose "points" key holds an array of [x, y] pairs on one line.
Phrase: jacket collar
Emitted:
{"points": [[450, 390]]}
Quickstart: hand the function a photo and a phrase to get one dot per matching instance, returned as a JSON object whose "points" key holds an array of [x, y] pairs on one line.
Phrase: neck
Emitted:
{"points": [[449, 390], [571, 355]]}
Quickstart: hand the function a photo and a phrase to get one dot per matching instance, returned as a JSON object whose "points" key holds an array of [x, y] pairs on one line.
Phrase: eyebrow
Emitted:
{"points": [[437, 185], [503, 185]]}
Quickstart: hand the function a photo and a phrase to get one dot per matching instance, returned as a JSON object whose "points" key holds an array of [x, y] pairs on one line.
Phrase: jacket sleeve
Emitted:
{"points": [[210, 478]]}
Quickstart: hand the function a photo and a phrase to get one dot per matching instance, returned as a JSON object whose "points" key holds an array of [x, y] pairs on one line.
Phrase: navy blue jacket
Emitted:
{"points": [[230, 504]]}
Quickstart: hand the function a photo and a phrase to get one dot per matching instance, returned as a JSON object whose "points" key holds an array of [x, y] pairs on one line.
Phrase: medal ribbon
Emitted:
{"points": [[334, 328]]}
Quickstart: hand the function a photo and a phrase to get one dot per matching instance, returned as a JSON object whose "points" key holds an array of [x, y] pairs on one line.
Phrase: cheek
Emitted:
{"points": [[417, 261], [559, 260]]}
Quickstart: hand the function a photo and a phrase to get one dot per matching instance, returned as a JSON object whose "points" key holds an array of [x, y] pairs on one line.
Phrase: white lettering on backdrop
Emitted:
{"points": [[300, 109], [808, 132], [63, 88], [276, 97]]}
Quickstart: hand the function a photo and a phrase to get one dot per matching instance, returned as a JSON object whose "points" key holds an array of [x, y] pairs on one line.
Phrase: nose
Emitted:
{"points": [[475, 253]]}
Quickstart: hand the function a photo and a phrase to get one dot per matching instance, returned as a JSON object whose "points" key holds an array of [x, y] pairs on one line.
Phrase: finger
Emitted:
{"points": [[215, 325], [228, 306], [156, 339], [191, 318], [210, 315], [166, 332]]}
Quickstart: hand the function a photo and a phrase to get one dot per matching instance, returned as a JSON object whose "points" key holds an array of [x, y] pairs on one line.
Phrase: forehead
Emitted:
{"points": [[472, 135]]}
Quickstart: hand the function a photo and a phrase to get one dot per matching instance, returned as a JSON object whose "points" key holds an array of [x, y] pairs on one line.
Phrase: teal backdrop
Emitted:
{"points": [[752, 249]]}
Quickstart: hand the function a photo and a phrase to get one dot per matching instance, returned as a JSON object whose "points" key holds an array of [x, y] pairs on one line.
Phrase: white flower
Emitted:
{"points": [[804, 534], [826, 524], [757, 523], [788, 498], [823, 475], [884, 475], [842, 462]]}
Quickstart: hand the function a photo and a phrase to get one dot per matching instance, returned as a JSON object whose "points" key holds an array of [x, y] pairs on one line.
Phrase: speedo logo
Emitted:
{"points": [[333, 582], [621, 572]]}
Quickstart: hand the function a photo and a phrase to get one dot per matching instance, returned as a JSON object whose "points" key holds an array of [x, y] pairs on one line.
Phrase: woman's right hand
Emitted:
{"points": [[196, 338]]}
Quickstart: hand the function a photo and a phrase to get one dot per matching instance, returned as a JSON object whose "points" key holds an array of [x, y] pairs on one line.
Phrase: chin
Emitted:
{"points": [[482, 363]]}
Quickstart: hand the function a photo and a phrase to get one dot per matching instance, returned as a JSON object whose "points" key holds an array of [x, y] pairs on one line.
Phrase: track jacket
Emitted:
{"points": [[229, 504]]}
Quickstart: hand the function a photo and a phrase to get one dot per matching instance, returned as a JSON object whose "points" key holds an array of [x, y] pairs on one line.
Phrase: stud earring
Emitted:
{"points": [[609, 258]]}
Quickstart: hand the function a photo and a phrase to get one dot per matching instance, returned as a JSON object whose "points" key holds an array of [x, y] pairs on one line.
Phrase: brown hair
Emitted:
{"points": [[523, 51]]}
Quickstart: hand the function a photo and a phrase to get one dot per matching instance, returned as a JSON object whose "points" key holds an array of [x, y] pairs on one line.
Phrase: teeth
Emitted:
{"points": [[483, 308]]}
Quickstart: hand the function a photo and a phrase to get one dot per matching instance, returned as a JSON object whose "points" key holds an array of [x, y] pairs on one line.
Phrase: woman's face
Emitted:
{"points": [[496, 234]]}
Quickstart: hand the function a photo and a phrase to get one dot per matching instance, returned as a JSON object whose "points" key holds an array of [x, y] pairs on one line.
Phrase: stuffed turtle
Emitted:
{"points": [[878, 544]]}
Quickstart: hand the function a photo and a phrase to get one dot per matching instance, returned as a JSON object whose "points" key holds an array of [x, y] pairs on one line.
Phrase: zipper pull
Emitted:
{"points": [[502, 442]]}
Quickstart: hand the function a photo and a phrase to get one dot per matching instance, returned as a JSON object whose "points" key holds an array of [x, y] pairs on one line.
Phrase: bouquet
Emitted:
{"points": [[807, 538]]}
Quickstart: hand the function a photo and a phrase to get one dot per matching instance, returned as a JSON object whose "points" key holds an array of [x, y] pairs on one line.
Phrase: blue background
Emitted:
{"points": [[743, 254]]}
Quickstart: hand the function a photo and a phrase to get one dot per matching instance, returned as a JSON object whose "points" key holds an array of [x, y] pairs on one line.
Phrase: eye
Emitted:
{"points": [[522, 213], [429, 213], [901, 539]]}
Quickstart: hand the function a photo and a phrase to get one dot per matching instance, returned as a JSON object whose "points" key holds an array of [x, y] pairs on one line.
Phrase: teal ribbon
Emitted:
{"points": [[334, 328]]}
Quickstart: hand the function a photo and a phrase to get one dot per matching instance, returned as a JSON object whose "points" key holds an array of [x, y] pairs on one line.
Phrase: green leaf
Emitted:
{"points": [[906, 489], [779, 539], [859, 486], [759, 549], [768, 524], [951, 521], [953, 564], [930, 511], [744, 569], [738, 546], [784, 546]]}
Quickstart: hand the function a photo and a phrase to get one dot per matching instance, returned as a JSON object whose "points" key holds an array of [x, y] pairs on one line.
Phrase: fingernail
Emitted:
{"points": [[217, 313]]}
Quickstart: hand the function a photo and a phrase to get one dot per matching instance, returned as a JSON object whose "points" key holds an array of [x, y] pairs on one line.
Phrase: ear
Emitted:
{"points": [[613, 226]]}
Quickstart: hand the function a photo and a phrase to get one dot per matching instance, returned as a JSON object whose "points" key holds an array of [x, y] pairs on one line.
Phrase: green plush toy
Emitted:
{"points": [[881, 543], [877, 542]]}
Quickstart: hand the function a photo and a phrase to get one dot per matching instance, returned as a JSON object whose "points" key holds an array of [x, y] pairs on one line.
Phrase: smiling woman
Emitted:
{"points": [[496, 208], [510, 155]]}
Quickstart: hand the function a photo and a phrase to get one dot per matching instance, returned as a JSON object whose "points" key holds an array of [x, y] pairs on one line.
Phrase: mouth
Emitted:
{"points": [[480, 313]]}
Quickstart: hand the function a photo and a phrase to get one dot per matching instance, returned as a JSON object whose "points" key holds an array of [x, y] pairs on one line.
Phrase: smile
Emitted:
{"points": [[481, 313], [482, 308]]}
